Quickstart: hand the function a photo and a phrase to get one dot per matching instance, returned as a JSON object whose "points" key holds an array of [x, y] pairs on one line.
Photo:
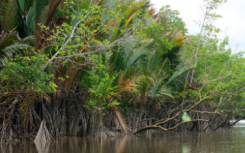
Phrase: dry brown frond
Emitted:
{"points": [[121, 120], [152, 11], [47, 98], [126, 84], [129, 19]]}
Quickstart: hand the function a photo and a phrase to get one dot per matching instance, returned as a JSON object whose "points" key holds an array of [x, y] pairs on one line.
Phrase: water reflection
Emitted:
{"points": [[224, 141], [185, 148], [240, 123], [121, 144], [42, 147]]}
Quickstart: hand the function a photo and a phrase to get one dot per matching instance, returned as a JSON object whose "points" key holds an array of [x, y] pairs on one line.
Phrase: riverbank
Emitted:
{"points": [[83, 122]]}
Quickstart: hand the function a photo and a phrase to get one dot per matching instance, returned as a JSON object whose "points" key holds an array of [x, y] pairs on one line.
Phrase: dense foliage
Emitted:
{"points": [[71, 59]]}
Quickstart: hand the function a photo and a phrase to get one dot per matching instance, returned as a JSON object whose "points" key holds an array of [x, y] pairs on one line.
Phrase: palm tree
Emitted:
{"points": [[11, 43]]}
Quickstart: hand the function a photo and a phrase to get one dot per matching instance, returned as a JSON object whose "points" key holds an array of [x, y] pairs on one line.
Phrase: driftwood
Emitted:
{"points": [[43, 138], [43, 134], [42, 147]]}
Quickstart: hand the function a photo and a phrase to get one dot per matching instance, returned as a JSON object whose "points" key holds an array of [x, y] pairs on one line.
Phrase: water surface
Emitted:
{"points": [[223, 141]]}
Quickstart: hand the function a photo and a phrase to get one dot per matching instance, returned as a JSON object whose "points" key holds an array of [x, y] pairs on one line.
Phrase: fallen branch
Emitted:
{"points": [[164, 129], [236, 121], [202, 112]]}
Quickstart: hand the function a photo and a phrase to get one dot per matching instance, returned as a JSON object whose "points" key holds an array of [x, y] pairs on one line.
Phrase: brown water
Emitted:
{"points": [[223, 141]]}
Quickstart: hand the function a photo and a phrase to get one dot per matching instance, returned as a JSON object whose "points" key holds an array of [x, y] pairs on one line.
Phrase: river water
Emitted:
{"points": [[223, 141]]}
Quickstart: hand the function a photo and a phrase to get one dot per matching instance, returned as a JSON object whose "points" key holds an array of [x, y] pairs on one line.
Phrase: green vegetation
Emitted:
{"points": [[65, 61]]}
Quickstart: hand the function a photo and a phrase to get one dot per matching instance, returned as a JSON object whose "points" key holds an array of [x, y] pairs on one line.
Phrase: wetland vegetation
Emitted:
{"points": [[112, 67]]}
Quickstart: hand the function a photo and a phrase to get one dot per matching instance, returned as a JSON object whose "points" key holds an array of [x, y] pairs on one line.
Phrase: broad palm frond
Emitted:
{"points": [[164, 91], [14, 48], [135, 57], [28, 38], [126, 83], [177, 73], [10, 43], [8, 38], [145, 82], [9, 21], [129, 10]]}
